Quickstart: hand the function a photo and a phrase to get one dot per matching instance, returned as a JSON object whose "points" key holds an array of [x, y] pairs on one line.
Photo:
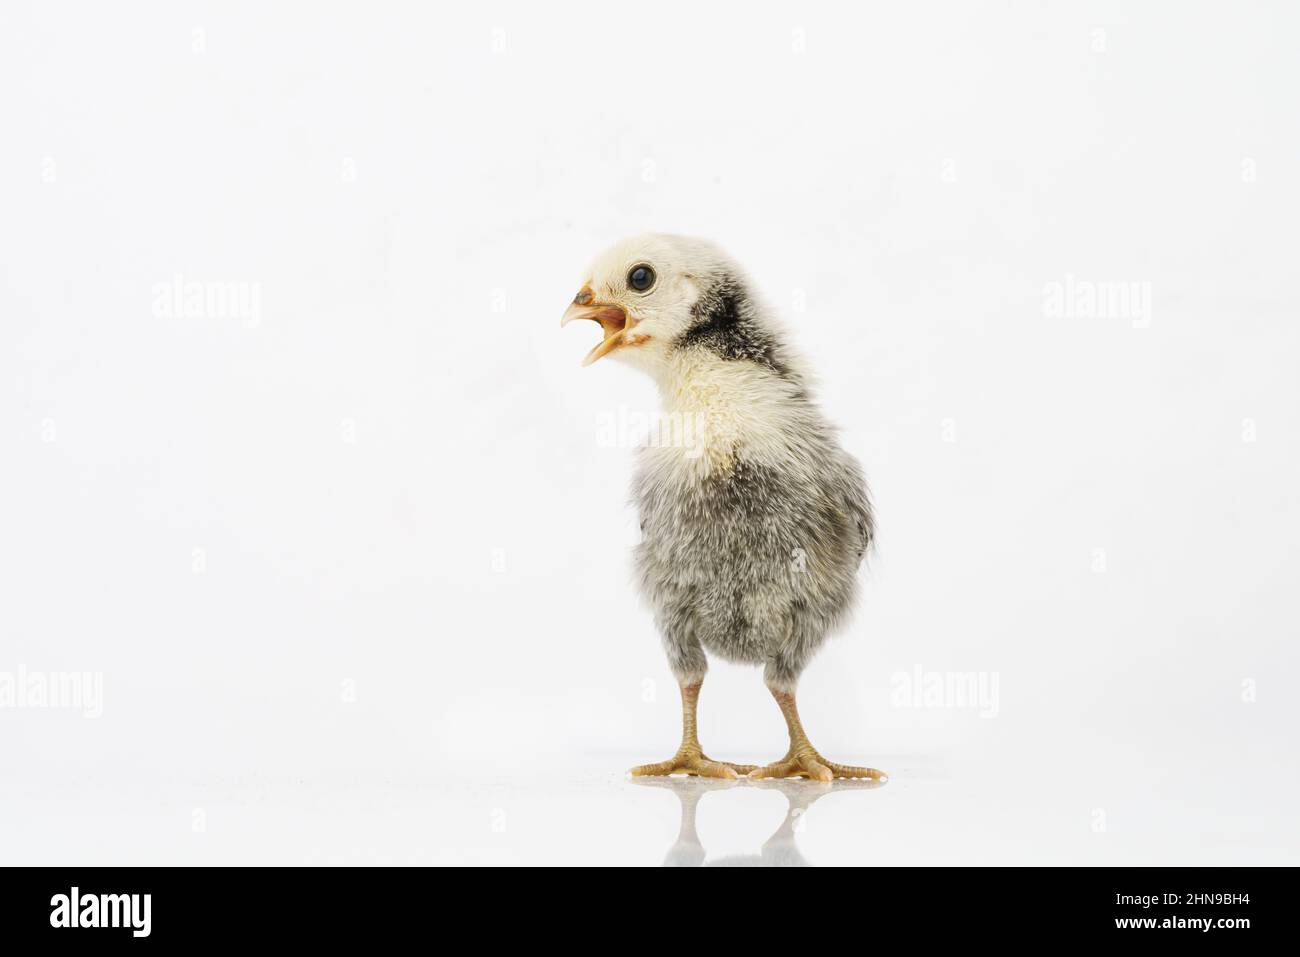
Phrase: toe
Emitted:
{"points": [[687, 763], [651, 770], [780, 769], [850, 771], [740, 769], [815, 770], [713, 769]]}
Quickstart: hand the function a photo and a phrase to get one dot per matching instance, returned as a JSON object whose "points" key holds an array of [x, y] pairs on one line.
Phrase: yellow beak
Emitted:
{"points": [[612, 317]]}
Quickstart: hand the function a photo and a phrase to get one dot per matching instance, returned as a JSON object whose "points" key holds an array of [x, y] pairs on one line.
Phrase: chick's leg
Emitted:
{"points": [[690, 758], [802, 760]]}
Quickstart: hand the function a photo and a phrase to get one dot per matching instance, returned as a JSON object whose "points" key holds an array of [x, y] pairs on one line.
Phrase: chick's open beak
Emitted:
{"points": [[612, 317]]}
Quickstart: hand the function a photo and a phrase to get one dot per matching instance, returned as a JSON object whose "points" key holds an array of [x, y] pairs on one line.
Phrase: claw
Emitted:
{"points": [[811, 765], [693, 763]]}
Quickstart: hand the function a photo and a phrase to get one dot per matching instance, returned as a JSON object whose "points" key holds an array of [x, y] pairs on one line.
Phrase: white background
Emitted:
{"points": [[356, 574]]}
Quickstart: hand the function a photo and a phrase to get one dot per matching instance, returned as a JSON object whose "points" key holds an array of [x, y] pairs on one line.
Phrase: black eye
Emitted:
{"points": [[641, 278]]}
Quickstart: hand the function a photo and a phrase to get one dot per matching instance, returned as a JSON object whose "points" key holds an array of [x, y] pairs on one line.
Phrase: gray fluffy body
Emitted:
{"points": [[751, 554]]}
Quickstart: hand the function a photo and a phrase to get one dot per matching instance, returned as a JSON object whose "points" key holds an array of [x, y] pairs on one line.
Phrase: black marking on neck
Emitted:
{"points": [[725, 323]]}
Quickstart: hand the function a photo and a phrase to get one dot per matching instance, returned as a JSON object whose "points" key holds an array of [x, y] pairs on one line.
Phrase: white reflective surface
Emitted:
{"points": [[931, 812]]}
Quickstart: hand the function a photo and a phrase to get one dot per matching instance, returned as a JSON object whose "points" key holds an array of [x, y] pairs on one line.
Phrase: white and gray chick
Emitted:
{"points": [[754, 519]]}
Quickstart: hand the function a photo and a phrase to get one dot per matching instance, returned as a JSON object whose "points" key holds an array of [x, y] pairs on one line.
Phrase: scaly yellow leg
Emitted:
{"points": [[690, 758], [802, 760]]}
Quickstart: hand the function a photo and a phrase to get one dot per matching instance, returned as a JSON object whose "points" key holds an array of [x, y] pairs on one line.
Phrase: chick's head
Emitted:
{"points": [[643, 291]]}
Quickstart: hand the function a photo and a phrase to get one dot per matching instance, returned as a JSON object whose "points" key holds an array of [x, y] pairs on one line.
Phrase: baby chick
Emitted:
{"points": [[754, 520]]}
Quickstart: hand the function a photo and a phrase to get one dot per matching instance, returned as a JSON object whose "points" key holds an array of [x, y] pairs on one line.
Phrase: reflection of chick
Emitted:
{"points": [[687, 851], [754, 519], [779, 850]]}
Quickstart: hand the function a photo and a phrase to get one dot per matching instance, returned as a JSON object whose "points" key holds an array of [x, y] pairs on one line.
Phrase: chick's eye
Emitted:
{"points": [[641, 278]]}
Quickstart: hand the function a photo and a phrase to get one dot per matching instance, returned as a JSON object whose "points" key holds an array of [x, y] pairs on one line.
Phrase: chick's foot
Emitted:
{"points": [[693, 763], [807, 763]]}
